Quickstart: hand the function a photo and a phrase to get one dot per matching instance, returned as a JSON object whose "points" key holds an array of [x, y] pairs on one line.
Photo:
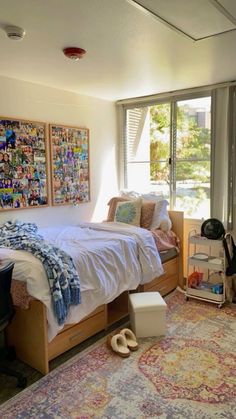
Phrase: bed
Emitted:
{"points": [[34, 332]]}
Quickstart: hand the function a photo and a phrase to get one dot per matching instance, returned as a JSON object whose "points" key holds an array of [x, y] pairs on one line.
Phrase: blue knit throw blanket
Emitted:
{"points": [[62, 276]]}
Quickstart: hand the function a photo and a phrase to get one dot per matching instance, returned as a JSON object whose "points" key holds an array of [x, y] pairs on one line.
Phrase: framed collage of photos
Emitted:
{"points": [[69, 164], [23, 164]]}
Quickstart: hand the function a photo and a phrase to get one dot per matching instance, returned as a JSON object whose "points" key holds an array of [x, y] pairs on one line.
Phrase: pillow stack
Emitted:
{"points": [[147, 211]]}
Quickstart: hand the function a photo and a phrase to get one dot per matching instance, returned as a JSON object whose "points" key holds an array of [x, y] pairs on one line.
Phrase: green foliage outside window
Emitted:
{"points": [[193, 144]]}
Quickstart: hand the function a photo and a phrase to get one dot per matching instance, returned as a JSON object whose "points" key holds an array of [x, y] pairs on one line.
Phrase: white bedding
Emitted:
{"points": [[109, 257]]}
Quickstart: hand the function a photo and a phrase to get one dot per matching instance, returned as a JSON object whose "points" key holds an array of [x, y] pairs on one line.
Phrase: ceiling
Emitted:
{"points": [[130, 52]]}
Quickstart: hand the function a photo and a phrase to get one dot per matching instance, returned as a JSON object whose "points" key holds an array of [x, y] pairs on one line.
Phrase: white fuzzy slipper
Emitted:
{"points": [[119, 345], [130, 339]]}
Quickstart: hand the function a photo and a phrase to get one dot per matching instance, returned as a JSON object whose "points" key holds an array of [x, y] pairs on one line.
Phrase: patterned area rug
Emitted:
{"points": [[189, 373]]}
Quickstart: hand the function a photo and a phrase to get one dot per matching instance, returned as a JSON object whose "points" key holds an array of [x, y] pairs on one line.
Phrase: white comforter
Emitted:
{"points": [[109, 257]]}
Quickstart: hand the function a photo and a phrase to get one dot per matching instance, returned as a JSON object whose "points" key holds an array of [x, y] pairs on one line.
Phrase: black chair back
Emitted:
{"points": [[6, 305]]}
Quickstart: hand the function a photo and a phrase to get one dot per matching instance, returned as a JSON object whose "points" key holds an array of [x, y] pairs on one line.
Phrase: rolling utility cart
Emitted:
{"points": [[205, 269]]}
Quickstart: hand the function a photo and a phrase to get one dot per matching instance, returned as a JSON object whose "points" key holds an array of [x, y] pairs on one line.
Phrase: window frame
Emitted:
{"points": [[172, 99]]}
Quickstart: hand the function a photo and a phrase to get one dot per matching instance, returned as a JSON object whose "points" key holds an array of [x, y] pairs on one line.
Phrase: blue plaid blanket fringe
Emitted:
{"points": [[62, 276]]}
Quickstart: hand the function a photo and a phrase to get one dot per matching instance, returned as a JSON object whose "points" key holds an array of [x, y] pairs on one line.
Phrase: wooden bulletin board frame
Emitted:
{"points": [[69, 164], [23, 164]]}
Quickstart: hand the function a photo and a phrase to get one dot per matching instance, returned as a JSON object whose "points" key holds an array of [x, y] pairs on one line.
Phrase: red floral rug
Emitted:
{"points": [[189, 373]]}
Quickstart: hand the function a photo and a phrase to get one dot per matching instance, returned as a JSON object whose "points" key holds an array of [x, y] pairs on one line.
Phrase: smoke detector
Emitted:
{"points": [[74, 53], [15, 33]]}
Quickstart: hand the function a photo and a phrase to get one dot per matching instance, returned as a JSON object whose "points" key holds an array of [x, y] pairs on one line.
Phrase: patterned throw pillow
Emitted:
{"points": [[129, 212], [147, 210], [112, 206]]}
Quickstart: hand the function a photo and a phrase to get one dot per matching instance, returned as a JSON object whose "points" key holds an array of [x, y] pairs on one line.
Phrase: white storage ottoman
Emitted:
{"points": [[147, 314]]}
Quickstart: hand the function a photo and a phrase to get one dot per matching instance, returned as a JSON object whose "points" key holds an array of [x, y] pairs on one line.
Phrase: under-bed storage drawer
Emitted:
{"points": [[166, 282], [165, 286], [77, 333]]}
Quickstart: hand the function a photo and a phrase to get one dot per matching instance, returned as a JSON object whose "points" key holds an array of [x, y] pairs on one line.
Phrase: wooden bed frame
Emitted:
{"points": [[28, 329]]}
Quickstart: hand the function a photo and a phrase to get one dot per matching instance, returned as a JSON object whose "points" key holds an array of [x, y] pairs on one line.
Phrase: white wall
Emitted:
{"points": [[39, 103]]}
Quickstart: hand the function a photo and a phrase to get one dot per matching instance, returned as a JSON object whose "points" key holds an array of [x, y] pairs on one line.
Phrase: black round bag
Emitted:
{"points": [[212, 229]]}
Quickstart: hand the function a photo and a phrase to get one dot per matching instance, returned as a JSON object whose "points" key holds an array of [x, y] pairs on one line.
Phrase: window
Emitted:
{"points": [[167, 149]]}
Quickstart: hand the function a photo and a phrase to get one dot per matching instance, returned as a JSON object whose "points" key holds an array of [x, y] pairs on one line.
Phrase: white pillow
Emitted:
{"points": [[166, 224], [151, 196], [161, 217], [129, 194]]}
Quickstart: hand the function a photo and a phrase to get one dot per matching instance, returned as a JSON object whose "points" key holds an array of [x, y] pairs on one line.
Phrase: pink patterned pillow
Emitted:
{"points": [[147, 212]]}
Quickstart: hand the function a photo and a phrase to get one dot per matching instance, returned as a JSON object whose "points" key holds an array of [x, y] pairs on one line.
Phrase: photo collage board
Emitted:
{"points": [[23, 170], [24, 161], [70, 165]]}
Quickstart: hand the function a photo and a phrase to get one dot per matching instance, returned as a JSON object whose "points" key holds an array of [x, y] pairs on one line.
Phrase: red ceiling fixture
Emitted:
{"points": [[74, 53]]}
